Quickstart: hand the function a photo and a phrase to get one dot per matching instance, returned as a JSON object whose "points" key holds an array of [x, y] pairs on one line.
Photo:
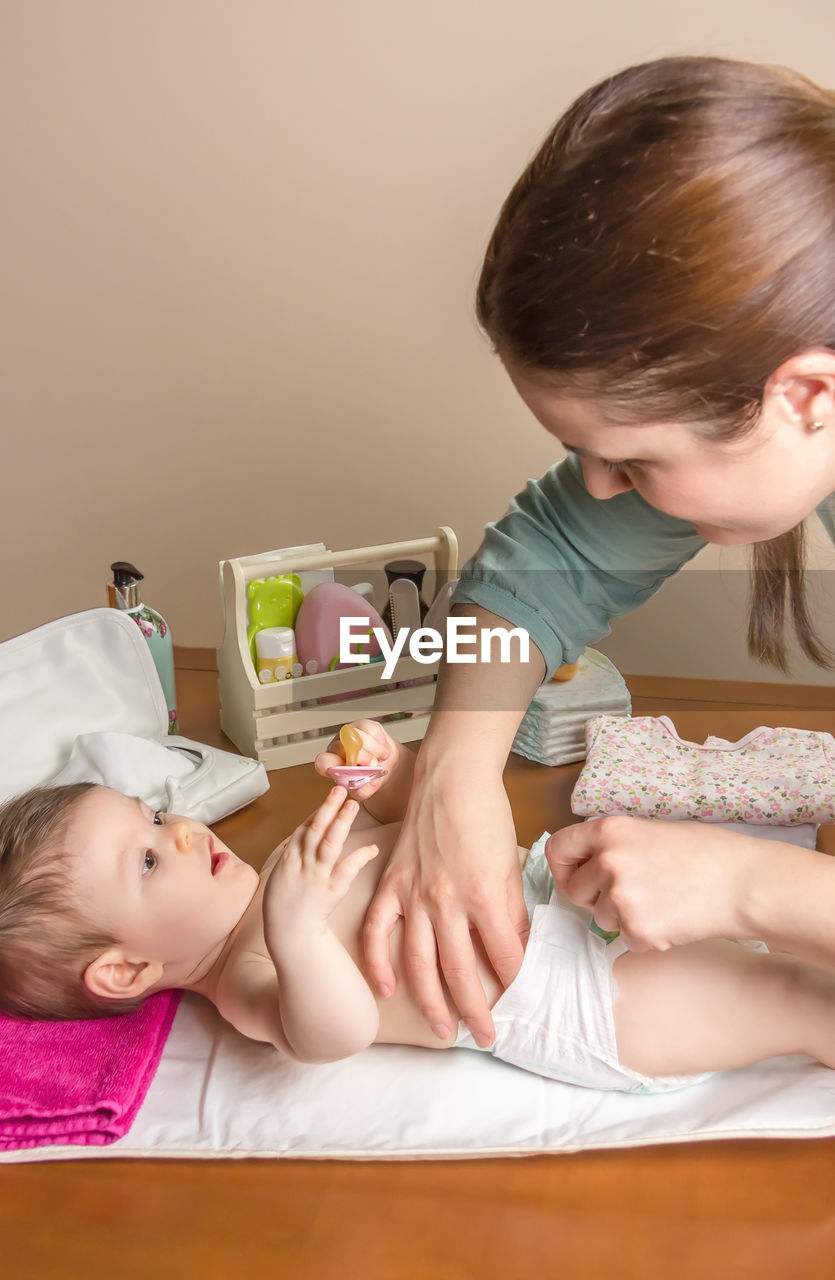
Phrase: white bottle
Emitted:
{"points": [[275, 654]]}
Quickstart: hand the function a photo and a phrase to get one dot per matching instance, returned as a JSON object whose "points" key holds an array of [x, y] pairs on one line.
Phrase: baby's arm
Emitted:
{"points": [[385, 798], [327, 1010]]}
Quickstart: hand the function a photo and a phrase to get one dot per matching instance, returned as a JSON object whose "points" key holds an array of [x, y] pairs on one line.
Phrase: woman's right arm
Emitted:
{"points": [[559, 564], [454, 874], [789, 902]]}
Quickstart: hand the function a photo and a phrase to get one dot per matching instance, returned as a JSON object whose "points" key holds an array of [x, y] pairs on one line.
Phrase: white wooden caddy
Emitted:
{"points": [[286, 723]]}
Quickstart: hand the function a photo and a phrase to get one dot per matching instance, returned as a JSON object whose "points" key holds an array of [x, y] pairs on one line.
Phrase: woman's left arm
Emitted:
{"points": [[666, 884]]}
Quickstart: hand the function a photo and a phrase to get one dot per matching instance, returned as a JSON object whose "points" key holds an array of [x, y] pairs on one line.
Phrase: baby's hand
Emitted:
{"points": [[311, 877], [379, 750]]}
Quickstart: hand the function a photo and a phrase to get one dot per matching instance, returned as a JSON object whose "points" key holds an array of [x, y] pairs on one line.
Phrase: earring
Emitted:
{"points": [[815, 426]]}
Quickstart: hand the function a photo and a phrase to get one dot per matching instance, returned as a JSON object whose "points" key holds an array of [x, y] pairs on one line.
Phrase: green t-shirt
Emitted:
{"points": [[562, 564]]}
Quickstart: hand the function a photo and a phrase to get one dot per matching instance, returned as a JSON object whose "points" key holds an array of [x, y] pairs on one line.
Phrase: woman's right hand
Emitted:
{"points": [[378, 749], [454, 873]]}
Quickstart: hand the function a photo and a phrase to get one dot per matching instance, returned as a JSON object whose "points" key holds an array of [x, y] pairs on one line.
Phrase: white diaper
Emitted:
{"points": [[556, 1018]]}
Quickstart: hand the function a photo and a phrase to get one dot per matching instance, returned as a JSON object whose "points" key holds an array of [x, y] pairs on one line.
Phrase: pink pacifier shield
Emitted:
{"points": [[354, 775]]}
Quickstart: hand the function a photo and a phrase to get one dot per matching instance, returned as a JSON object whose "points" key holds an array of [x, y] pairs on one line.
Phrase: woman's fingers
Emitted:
{"points": [[503, 933], [329, 759], [458, 961], [380, 922], [568, 849], [585, 884], [375, 748], [420, 961]]}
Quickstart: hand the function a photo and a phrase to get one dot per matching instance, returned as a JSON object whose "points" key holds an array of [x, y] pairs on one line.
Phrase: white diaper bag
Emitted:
{"points": [[81, 701]]}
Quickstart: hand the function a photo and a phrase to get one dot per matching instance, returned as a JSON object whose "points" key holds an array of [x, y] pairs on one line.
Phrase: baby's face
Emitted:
{"points": [[164, 886]]}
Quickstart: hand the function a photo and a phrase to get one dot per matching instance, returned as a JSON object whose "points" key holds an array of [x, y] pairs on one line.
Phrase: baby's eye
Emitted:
{"points": [[158, 818], [148, 862]]}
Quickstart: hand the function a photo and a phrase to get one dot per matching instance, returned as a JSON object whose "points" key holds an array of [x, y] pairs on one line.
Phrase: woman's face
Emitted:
{"points": [[735, 491]]}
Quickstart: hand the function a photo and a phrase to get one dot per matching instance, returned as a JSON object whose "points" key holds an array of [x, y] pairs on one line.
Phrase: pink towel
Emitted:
{"points": [[80, 1082]]}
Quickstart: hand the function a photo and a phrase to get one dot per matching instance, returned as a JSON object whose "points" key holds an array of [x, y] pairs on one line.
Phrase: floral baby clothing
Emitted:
{"points": [[640, 766]]}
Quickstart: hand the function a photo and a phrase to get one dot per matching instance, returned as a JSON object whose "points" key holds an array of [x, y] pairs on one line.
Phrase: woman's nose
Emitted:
{"points": [[602, 482], [181, 835]]}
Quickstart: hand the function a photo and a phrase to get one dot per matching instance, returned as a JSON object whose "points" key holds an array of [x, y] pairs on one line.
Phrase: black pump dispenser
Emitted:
{"points": [[123, 591]]}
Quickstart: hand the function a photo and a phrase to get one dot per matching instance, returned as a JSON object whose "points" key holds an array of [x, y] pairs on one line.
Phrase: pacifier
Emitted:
{"points": [[350, 774]]}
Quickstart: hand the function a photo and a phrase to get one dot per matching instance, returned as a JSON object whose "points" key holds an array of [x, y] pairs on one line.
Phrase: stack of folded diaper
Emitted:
{"points": [[554, 728]]}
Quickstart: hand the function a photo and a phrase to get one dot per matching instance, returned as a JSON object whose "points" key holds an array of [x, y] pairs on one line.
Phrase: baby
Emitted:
{"points": [[104, 901]]}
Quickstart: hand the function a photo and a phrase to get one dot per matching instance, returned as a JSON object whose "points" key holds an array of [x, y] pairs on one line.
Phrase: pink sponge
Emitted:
{"points": [[317, 626]]}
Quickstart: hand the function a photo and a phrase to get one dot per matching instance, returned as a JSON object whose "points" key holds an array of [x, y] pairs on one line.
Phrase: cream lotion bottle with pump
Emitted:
{"points": [[123, 593]]}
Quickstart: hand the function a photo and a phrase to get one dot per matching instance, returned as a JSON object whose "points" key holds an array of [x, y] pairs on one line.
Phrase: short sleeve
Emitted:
{"points": [[563, 564]]}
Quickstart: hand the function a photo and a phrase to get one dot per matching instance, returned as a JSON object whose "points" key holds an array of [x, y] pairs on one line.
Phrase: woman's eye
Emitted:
{"points": [[148, 862]]}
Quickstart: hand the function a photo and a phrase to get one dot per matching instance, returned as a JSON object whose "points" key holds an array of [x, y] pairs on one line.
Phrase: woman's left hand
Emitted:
{"points": [[662, 884]]}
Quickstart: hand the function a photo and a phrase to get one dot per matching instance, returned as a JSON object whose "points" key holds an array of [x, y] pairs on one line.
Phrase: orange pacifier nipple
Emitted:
{"points": [[350, 774], [351, 740]]}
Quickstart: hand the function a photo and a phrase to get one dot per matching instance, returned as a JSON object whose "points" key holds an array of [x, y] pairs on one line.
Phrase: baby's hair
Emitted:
{"points": [[45, 942], [670, 245]]}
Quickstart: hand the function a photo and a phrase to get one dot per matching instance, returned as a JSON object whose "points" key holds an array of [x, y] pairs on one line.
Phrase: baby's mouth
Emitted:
{"points": [[217, 858]]}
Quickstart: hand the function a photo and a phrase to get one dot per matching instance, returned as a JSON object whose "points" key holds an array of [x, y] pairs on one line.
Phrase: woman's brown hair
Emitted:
{"points": [[670, 245]]}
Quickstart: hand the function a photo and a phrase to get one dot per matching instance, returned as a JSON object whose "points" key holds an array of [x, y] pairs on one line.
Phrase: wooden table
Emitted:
{"points": [[710, 1210]]}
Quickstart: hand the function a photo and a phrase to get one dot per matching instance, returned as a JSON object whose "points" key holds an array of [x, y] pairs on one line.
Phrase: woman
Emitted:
{"points": [[660, 287]]}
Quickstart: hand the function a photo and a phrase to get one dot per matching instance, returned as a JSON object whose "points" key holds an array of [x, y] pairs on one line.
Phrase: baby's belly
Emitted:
{"points": [[401, 1021]]}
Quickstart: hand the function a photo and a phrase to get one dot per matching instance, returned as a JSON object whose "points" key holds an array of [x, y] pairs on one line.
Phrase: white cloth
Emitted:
{"points": [[176, 775], [81, 701]]}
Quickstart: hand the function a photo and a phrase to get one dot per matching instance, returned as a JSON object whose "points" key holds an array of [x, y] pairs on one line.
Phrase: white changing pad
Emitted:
{"points": [[217, 1094]]}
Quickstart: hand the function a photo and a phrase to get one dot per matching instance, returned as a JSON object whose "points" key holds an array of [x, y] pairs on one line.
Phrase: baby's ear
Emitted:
{"points": [[118, 977]]}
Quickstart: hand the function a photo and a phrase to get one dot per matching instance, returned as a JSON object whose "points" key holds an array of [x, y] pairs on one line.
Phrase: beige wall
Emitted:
{"points": [[240, 241]]}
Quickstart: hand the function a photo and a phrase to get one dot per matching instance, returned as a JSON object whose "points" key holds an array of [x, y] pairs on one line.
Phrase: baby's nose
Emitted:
{"points": [[181, 832]]}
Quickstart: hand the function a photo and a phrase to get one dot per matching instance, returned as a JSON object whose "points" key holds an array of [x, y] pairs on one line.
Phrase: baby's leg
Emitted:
{"points": [[714, 1005]]}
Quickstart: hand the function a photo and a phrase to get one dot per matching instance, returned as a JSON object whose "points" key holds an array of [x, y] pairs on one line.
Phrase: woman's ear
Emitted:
{"points": [[118, 977], [803, 387]]}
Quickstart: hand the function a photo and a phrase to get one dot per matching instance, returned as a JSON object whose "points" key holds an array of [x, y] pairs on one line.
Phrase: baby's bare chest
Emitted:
{"points": [[400, 1019], [347, 919]]}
